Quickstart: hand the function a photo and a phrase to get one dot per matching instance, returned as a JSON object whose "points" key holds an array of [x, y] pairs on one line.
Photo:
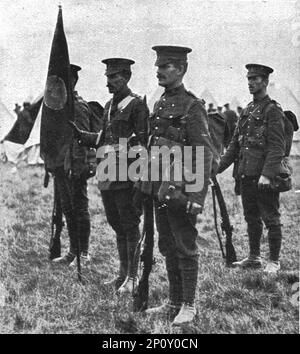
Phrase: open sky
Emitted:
{"points": [[224, 36]]}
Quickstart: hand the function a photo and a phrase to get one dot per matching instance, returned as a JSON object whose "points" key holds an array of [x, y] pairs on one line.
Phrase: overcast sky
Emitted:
{"points": [[224, 36]]}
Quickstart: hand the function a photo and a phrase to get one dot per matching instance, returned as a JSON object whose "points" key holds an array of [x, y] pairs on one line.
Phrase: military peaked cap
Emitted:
{"points": [[116, 65], [75, 68], [168, 54], [258, 70]]}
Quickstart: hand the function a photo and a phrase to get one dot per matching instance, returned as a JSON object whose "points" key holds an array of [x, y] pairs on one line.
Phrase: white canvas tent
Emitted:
{"points": [[9, 151], [207, 96], [15, 153], [6, 120], [31, 149]]}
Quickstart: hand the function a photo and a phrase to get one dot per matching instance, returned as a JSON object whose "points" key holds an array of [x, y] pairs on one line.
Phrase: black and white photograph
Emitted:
{"points": [[149, 170]]}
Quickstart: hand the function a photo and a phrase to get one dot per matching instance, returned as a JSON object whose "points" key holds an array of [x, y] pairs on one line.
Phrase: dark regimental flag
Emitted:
{"points": [[58, 103], [22, 127]]}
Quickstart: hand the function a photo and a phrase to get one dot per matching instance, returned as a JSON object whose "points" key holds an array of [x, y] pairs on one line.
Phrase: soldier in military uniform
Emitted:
{"points": [[125, 116], [73, 191], [179, 119], [259, 145]]}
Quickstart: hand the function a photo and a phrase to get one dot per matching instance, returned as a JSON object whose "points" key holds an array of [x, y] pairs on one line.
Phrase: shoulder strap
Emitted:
{"points": [[125, 102]]}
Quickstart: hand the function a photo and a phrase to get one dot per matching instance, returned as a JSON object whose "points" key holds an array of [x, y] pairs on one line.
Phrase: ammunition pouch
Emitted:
{"points": [[171, 194], [283, 181]]}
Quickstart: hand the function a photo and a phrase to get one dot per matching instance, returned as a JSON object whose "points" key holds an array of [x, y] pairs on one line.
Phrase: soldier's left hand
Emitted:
{"points": [[264, 183], [193, 208]]}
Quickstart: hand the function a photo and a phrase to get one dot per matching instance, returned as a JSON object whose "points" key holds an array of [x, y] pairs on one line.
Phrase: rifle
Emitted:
{"points": [[72, 179], [146, 243], [226, 227], [56, 225]]}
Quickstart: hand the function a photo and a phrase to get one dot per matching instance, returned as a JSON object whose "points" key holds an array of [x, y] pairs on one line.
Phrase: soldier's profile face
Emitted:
{"points": [[168, 75], [256, 84], [115, 82]]}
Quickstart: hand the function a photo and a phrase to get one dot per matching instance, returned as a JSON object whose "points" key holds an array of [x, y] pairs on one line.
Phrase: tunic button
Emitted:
{"points": [[156, 128], [163, 99], [171, 116], [157, 117], [173, 105], [160, 107]]}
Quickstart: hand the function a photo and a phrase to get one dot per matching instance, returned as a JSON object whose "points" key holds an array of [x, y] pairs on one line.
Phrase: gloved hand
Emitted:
{"points": [[84, 138], [193, 208]]}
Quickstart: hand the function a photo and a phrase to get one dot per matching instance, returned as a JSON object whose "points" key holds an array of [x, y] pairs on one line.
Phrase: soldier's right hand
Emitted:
{"points": [[84, 138], [77, 132]]}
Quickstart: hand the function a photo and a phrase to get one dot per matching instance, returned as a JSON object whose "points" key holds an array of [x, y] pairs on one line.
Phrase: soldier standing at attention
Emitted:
{"points": [[125, 116], [179, 118], [73, 192], [259, 145]]}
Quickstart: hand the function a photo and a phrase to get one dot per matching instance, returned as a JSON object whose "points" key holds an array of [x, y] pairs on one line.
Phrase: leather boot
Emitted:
{"points": [[72, 231], [254, 234], [189, 274], [175, 281], [133, 256], [84, 230], [275, 238], [123, 262]]}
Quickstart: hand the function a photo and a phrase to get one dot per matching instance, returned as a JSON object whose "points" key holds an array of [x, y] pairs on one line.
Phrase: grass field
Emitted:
{"points": [[36, 297]]}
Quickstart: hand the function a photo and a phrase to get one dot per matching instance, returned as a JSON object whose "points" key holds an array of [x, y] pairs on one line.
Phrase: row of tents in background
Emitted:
{"points": [[28, 147]]}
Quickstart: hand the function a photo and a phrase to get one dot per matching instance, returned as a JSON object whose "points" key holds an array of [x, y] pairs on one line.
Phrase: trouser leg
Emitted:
{"points": [[167, 248], [249, 193], [65, 192], [113, 218], [123, 257], [129, 220], [185, 234], [82, 216], [175, 281], [275, 238], [269, 206]]}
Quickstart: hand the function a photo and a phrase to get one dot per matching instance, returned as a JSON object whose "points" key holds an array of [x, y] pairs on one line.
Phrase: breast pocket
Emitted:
{"points": [[177, 129], [258, 127]]}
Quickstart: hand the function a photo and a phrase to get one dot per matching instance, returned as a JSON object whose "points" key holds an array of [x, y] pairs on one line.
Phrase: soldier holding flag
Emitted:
{"points": [[73, 196], [63, 157]]}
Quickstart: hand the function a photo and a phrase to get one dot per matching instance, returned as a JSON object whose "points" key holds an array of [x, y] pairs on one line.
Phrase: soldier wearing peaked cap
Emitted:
{"points": [[258, 144], [73, 194], [125, 116], [179, 119]]}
